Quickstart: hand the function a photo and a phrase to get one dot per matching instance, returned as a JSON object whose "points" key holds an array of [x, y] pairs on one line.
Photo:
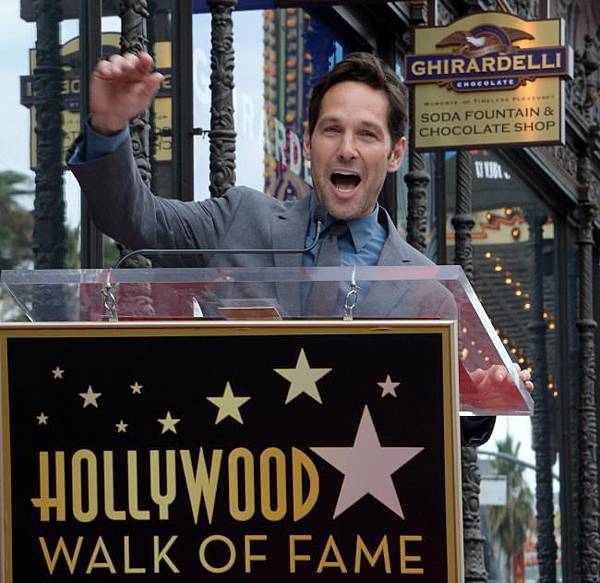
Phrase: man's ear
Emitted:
{"points": [[397, 155], [306, 143]]}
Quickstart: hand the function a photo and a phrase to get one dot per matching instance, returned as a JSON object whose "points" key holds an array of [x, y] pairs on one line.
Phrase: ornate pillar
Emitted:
{"points": [[222, 129], [541, 421], [417, 180], [586, 326], [134, 39], [49, 236], [463, 224]]}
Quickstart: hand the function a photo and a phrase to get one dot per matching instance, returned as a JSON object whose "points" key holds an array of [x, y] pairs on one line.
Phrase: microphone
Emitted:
{"points": [[319, 217]]}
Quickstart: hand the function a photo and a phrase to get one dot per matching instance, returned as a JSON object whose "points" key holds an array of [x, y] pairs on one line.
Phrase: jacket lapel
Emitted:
{"points": [[288, 228], [384, 297]]}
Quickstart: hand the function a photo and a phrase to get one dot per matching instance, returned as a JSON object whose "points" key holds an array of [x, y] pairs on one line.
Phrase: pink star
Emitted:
{"points": [[367, 467]]}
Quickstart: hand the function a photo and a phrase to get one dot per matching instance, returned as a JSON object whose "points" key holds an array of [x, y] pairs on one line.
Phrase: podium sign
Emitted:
{"points": [[263, 451]]}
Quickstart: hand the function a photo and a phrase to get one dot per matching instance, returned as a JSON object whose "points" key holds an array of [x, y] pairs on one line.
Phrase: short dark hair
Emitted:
{"points": [[369, 69]]}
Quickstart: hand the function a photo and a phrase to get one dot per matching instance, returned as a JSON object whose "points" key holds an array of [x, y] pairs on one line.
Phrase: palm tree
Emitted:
{"points": [[16, 223], [509, 523]]}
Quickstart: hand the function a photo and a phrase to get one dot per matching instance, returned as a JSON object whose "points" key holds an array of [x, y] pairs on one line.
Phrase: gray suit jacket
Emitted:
{"points": [[124, 208]]}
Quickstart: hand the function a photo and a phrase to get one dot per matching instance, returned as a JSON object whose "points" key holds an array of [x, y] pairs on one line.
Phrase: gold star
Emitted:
{"points": [[303, 379], [168, 423], [58, 373], [42, 419], [389, 387], [229, 405], [121, 426], [136, 389], [89, 397]]}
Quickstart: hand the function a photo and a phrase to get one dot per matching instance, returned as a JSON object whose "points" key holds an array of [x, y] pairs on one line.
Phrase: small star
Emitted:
{"points": [[168, 423], [229, 405], [136, 389], [303, 379], [389, 387], [42, 419], [121, 426], [89, 397], [58, 373]]}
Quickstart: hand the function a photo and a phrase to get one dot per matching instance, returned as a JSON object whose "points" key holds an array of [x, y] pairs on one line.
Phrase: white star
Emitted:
{"points": [[58, 373], [389, 387], [42, 419], [303, 379], [367, 467], [136, 389], [168, 423], [121, 426], [229, 405], [89, 397]]}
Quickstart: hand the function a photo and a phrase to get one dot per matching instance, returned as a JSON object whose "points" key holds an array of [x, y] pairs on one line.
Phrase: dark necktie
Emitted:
{"points": [[324, 298]]}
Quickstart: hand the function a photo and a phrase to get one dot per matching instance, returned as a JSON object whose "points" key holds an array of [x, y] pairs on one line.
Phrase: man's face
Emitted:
{"points": [[351, 150]]}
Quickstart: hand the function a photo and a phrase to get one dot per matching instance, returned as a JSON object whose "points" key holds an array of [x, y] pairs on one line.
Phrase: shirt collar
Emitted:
{"points": [[361, 230]]}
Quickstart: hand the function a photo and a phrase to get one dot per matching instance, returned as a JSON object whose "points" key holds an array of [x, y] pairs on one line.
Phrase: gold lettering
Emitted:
{"points": [[404, 558], [109, 489], [248, 556], [301, 463], [382, 549], [107, 564], [519, 62], [202, 553], [458, 66], [245, 456], [163, 501], [293, 556], [330, 546], [161, 554], [434, 67], [127, 568], [503, 63], [201, 482], [488, 65], [44, 502], [531, 65], [473, 66], [270, 513], [132, 488], [89, 457], [418, 68], [61, 549]]}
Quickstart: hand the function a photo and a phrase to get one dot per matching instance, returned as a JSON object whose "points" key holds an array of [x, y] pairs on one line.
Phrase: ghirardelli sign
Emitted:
{"points": [[489, 79]]}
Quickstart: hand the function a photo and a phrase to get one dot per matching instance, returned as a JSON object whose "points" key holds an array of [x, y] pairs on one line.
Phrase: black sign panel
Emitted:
{"points": [[247, 454]]}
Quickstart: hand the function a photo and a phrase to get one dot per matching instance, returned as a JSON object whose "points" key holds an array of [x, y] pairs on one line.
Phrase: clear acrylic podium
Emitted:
{"points": [[362, 293]]}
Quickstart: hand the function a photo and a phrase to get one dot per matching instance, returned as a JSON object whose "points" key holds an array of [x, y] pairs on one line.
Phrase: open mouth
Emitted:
{"points": [[345, 181]]}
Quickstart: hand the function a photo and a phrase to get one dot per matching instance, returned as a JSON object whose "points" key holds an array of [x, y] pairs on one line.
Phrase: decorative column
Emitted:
{"points": [[541, 420], [417, 179], [463, 224], [134, 39], [222, 129], [49, 236], [586, 326]]}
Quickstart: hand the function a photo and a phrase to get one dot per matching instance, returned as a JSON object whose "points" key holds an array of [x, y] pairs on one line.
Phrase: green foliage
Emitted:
{"points": [[509, 523], [16, 223]]}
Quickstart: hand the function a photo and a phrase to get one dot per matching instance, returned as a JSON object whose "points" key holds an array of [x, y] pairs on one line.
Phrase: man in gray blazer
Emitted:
{"points": [[355, 136]]}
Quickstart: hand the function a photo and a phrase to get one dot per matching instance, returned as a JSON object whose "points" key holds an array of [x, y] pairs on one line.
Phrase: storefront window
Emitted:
{"points": [[278, 56], [514, 233]]}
